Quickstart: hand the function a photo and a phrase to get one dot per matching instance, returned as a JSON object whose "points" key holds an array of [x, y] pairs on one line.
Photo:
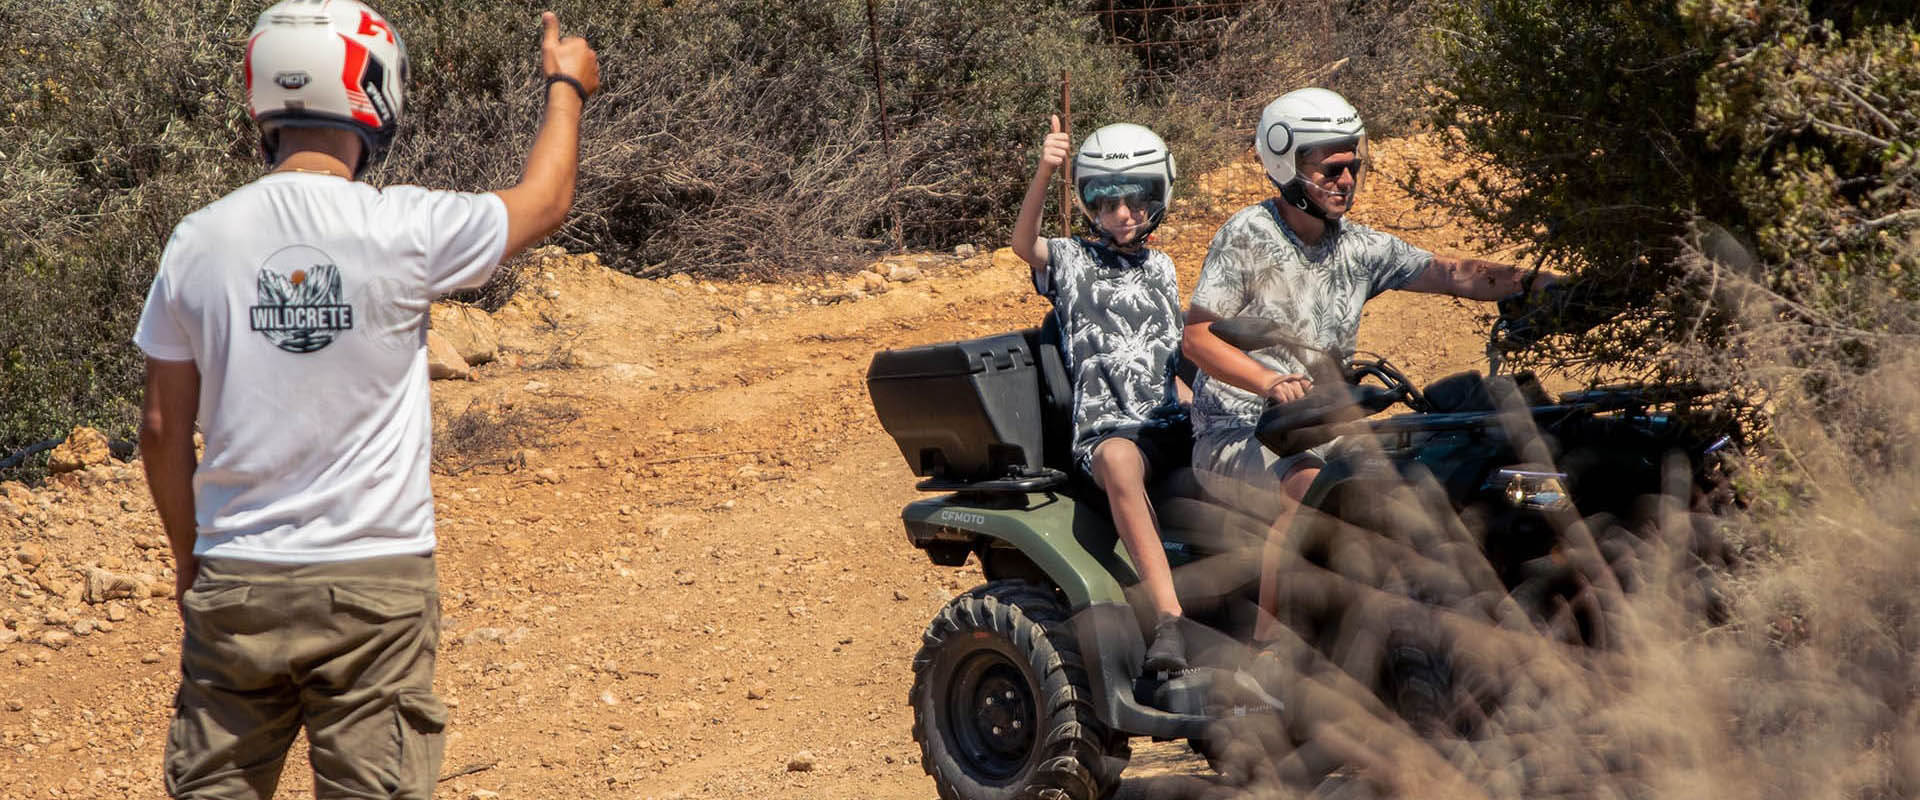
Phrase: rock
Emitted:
{"points": [[873, 282], [758, 691], [49, 581], [470, 330], [17, 492], [800, 762], [899, 595], [55, 640], [30, 554], [881, 268], [904, 274], [83, 628], [116, 612], [151, 658], [84, 447], [483, 794], [16, 705], [546, 475], [443, 359], [630, 372], [963, 252], [103, 586]]}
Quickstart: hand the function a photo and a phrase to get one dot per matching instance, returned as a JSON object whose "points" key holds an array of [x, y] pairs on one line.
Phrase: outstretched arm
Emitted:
{"points": [[1027, 242], [538, 203], [1474, 278]]}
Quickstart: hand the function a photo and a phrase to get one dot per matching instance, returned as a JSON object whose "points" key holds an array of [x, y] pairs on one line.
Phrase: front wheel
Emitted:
{"points": [[1001, 705]]}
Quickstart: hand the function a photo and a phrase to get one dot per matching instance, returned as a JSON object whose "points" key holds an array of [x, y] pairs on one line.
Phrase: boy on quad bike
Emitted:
{"points": [[1294, 259], [1118, 305]]}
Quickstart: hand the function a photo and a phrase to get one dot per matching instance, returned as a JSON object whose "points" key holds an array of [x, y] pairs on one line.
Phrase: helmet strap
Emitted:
{"points": [[1296, 195]]}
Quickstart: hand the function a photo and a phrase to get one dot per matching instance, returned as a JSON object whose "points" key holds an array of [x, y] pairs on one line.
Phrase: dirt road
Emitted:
{"points": [[687, 579]]}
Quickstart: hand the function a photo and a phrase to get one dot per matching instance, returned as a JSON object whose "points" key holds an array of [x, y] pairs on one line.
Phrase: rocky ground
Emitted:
{"points": [[669, 542]]}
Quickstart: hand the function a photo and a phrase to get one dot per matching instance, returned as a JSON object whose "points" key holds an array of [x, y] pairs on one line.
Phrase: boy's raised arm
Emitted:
{"points": [[1028, 244]]}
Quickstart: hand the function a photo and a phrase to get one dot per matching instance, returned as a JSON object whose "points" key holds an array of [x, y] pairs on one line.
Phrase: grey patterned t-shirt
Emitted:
{"points": [[1257, 266], [1120, 329]]}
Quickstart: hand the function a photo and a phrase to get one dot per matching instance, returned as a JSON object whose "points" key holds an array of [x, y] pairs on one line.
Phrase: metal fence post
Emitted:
{"points": [[886, 130]]}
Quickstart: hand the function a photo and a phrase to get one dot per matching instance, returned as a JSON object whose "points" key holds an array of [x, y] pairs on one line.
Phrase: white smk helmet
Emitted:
{"points": [[1124, 160], [326, 63], [1301, 121]]}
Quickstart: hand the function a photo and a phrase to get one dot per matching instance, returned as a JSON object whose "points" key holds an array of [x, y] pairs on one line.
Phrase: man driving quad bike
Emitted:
{"points": [[1296, 260]]}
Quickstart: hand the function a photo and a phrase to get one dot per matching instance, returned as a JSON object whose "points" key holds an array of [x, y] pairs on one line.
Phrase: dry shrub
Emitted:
{"points": [[489, 435], [1373, 52]]}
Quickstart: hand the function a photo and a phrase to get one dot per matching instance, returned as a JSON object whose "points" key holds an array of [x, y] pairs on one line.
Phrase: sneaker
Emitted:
{"points": [[1168, 653]]}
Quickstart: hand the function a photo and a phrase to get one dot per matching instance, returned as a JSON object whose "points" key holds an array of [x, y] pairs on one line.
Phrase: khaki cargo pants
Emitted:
{"points": [[345, 649]]}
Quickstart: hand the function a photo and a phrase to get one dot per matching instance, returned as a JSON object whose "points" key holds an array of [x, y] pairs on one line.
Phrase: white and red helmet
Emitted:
{"points": [[326, 63]]}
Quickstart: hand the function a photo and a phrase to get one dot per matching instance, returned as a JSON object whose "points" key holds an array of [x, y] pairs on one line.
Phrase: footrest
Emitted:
{"points": [[1049, 479]]}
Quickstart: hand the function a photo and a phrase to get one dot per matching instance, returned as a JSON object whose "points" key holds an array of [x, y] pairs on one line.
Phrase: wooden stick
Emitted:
{"points": [[1066, 125], [469, 769], [697, 456]]}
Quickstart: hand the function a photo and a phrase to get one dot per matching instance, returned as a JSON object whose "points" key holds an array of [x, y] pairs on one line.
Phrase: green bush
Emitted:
{"points": [[1597, 134]]}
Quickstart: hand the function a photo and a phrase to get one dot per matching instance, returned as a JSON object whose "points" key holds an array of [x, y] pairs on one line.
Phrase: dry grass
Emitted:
{"points": [[490, 435]]}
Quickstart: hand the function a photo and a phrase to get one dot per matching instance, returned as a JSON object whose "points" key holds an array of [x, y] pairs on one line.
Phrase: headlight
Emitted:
{"points": [[1529, 489]]}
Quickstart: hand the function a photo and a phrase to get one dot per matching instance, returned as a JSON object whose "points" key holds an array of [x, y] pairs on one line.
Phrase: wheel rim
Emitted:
{"points": [[991, 715]]}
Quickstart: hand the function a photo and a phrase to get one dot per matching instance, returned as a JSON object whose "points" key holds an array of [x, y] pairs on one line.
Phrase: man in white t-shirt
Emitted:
{"points": [[1295, 259], [289, 320]]}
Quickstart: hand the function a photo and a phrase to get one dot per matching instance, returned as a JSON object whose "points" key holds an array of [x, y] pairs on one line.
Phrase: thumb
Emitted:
{"points": [[550, 36], [1054, 121]]}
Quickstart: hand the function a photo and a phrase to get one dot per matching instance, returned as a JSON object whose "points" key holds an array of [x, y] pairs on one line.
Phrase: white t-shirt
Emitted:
{"points": [[303, 301]]}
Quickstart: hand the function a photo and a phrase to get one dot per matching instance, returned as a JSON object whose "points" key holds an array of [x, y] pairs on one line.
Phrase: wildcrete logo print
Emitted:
{"points": [[300, 309]]}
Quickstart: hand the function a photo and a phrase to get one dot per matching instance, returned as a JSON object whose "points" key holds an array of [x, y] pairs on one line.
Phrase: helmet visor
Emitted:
{"points": [[1141, 193]]}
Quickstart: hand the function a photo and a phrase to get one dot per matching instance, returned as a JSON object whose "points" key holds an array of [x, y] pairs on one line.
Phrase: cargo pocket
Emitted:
{"points": [[212, 597], [422, 719], [379, 602], [212, 611]]}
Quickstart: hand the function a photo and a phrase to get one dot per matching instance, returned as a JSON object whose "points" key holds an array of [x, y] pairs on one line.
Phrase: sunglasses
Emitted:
{"points": [[1333, 171], [1134, 203]]}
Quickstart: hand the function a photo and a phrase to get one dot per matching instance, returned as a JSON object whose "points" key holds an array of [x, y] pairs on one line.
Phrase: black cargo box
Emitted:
{"points": [[962, 411]]}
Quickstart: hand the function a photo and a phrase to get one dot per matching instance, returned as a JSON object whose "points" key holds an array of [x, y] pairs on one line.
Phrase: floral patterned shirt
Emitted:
{"points": [[1120, 326], [1257, 266]]}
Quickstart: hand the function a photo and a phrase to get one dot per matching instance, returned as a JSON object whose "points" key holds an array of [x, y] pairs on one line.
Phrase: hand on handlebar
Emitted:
{"points": [[1287, 388]]}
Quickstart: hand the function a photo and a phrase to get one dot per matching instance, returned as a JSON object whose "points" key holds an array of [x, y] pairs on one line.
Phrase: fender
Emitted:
{"points": [[1075, 546]]}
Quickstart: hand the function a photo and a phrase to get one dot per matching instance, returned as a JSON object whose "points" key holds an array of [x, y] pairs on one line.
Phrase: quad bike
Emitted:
{"points": [[1030, 684]]}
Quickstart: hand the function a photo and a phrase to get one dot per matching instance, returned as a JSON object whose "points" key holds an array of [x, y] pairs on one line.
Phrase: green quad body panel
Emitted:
{"points": [[1073, 544]]}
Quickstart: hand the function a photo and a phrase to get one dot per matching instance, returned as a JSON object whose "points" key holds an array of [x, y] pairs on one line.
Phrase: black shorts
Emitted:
{"points": [[1165, 448]]}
